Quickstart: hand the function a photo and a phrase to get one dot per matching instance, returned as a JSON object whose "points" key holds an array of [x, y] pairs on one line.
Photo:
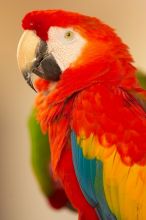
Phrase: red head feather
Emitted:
{"points": [[41, 21], [104, 49]]}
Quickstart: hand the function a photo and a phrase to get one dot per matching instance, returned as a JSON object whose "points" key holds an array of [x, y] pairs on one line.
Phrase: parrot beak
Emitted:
{"points": [[34, 58]]}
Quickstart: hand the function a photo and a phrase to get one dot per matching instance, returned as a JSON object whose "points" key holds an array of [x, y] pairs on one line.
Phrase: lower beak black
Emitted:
{"points": [[34, 59], [46, 68]]}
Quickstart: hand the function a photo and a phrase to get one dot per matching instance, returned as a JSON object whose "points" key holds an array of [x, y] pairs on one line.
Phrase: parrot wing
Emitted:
{"points": [[109, 151], [90, 176], [41, 164], [40, 154]]}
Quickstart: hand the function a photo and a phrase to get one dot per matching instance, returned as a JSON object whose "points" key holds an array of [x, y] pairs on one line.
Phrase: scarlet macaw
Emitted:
{"points": [[92, 107]]}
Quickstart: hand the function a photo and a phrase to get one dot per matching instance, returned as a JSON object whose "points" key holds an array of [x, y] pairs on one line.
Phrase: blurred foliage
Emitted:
{"points": [[40, 155], [141, 76]]}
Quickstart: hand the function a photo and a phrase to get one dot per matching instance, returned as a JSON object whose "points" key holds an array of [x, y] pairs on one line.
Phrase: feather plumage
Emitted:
{"points": [[95, 118]]}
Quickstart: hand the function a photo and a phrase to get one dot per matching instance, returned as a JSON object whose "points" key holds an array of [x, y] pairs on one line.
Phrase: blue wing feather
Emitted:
{"points": [[90, 177]]}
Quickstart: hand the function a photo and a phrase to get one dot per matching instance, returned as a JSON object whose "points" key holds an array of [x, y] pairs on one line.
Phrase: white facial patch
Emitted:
{"points": [[66, 45]]}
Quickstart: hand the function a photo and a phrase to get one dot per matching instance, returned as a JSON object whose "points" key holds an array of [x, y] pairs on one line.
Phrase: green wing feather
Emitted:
{"points": [[40, 158], [40, 155]]}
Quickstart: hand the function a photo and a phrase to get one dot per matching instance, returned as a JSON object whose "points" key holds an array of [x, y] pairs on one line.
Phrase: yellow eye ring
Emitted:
{"points": [[69, 35]]}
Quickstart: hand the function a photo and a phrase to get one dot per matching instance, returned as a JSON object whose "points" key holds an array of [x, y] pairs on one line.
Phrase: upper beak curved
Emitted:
{"points": [[26, 54], [33, 58]]}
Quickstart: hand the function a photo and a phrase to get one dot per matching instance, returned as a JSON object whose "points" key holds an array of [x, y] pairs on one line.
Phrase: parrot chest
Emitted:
{"points": [[59, 132]]}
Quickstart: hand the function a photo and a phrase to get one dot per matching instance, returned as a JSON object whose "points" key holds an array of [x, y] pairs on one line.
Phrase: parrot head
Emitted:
{"points": [[68, 51]]}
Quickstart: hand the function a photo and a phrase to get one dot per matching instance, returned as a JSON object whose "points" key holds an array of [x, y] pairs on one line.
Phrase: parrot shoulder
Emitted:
{"points": [[105, 118]]}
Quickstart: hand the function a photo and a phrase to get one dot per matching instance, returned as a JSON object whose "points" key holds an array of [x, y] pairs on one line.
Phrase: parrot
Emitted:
{"points": [[92, 107]]}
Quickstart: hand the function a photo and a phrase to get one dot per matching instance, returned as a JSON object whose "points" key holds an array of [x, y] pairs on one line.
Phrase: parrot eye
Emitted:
{"points": [[69, 35]]}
